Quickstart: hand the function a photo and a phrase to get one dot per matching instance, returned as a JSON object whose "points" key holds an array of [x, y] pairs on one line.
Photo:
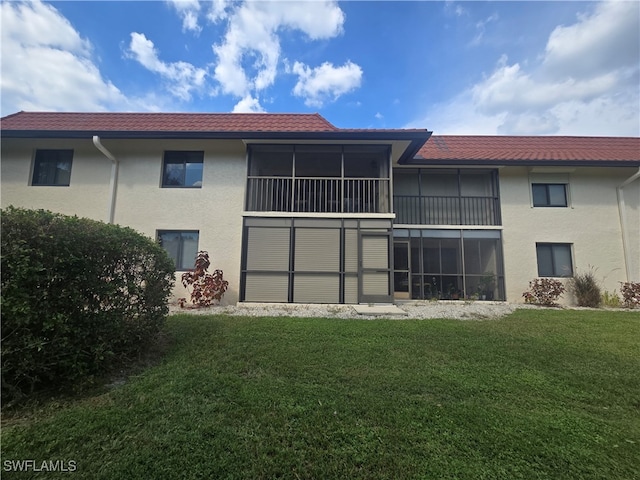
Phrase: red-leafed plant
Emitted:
{"points": [[544, 291], [206, 288], [630, 294]]}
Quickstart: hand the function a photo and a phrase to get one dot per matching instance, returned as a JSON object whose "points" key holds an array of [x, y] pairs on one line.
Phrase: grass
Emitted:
{"points": [[541, 394]]}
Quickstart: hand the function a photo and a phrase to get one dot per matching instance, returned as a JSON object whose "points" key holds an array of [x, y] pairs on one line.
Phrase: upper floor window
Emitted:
{"points": [[52, 167], [554, 259], [549, 194], [182, 169], [181, 245]]}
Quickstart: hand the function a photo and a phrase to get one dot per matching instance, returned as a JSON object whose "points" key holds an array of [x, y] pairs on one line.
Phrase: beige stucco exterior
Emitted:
{"points": [[591, 223], [215, 210]]}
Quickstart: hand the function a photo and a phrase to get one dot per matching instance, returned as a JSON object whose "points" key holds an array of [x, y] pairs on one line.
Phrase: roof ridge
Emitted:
{"points": [[325, 121]]}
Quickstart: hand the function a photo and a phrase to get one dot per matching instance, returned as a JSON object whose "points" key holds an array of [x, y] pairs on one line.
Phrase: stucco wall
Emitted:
{"points": [[590, 223], [215, 209], [88, 192]]}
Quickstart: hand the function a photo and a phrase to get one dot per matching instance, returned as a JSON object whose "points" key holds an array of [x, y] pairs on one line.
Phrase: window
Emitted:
{"points": [[52, 167], [182, 246], [549, 194], [554, 259], [182, 169]]}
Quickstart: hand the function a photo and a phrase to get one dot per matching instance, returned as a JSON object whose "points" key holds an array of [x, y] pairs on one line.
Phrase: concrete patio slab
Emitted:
{"points": [[379, 310]]}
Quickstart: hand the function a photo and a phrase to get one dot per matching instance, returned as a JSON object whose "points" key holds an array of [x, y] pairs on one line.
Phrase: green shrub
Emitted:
{"points": [[77, 296], [611, 300], [585, 288], [544, 291]]}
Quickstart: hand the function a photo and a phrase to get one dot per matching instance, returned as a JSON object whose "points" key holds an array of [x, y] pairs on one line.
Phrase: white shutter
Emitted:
{"points": [[267, 287], [268, 249]]}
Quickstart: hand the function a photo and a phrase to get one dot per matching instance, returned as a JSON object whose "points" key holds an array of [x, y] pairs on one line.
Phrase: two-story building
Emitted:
{"points": [[294, 209]]}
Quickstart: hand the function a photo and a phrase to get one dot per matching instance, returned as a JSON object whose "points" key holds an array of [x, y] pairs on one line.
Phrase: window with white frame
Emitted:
{"points": [[181, 245], [182, 169], [52, 168], [549, 194], [554, 259]]}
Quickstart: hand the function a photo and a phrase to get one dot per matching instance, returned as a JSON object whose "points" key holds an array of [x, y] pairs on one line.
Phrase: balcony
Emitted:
{"points": [[446, 210], [317, 195]]}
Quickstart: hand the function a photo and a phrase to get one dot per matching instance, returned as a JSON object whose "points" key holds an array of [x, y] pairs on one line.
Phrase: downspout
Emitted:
{"points": [[623, 223], [113, 183]]}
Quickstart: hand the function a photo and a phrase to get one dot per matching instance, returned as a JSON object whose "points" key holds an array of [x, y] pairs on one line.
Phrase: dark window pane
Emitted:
{"points": [[182, 169], [476, 184], [557, 195], [545, 260], [540, 198], [170, 241], [182, 247], [318, 161], [193, 175], [562, 260], [366, 162], [189, 249], [52, 167], [450, 253], [173, 174], [271, 161], [401, 256], [554, 260], [549, 194]]}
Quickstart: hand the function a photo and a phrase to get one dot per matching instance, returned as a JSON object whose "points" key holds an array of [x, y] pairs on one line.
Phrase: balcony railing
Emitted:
{"points": [[318, 195], [432, 210]]}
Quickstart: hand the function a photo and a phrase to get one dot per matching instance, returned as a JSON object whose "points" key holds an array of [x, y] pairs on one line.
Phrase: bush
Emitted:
{"points": [[630, 294], [585, 288], [611, 299], [77, 296], [206, 288], [544, 291]]}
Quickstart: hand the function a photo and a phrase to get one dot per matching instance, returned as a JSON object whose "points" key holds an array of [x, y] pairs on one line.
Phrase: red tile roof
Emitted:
{"points": [[446, 149], [166, 122], [528, 150]]}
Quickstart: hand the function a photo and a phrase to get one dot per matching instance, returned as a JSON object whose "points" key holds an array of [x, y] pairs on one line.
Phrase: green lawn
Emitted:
{"points": [[541, 394]]}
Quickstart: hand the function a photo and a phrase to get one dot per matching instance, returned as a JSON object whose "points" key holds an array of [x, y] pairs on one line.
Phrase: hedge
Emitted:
{"points": [[78, 296]]}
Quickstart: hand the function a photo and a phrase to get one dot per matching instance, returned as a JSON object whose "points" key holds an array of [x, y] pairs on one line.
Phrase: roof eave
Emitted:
{"points": [[526, 163], [416, 138]]}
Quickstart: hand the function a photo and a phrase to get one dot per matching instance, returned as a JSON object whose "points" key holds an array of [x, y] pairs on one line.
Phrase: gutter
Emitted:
{"points": [[623, 223], [113, 183]]}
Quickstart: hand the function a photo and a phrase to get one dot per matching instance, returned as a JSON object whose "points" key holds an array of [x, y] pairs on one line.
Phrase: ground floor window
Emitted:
{"points": [[305, 260], [448, 264], [181, 245], [554, 259]]}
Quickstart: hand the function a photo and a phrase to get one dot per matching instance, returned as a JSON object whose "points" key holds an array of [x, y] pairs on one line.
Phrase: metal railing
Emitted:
{"points": [[333, 195], [439, 210]]}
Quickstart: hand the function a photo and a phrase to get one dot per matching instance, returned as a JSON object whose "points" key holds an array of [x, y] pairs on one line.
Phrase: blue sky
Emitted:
{"points": [[518, 68]]}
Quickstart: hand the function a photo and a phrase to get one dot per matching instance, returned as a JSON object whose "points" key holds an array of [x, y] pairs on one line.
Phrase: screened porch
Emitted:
{"points": [[318, 179]]}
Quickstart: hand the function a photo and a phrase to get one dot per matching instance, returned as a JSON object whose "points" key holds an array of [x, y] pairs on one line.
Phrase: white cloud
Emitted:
{"points": [[606, 40], [182, 77], [218, 10], [326, 82], [188, 11], [47, 65], [249, 54], [248, 105], [585, 83]]}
